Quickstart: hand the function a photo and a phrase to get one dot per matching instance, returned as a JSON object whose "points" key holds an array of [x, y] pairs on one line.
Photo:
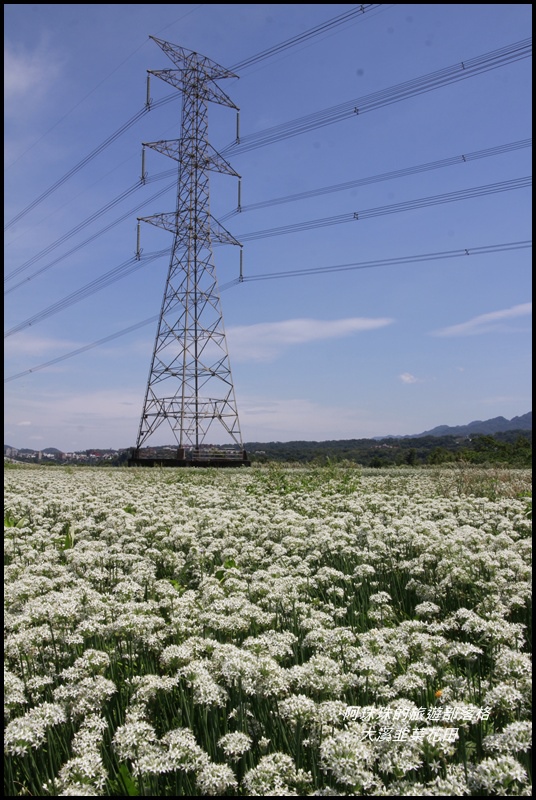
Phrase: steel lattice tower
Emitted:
{"points": [[190, 384]]}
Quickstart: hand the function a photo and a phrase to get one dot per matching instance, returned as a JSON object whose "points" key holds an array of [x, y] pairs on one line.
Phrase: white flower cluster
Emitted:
{"points": [[84, 774], [276, 775], [234, 745], [29, 731], [320, 631]]}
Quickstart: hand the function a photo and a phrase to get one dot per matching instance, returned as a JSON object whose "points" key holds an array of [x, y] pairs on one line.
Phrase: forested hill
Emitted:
{"points": [[494, 441], [507, 447], [487, 427]]}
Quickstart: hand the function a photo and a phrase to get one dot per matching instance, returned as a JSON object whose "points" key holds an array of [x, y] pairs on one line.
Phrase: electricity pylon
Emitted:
{"points": [[190, 386]]}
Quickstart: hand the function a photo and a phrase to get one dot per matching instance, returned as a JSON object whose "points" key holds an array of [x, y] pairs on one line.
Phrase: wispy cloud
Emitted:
{"points": [[300, 418], [499, 399], [27, 75], [28, 344], [487, 323], [103, 417], [407, 377], [264, 341]]}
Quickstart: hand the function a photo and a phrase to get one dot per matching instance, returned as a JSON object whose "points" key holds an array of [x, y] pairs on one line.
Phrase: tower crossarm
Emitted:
{"points": [[204, 86], [172, 221], [187, 59], [168, 221], [221, 234], [208, 159]]}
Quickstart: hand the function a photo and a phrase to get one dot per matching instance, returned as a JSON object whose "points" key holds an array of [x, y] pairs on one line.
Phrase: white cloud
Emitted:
{"points": [[105, 404], [486, 323], [28, 344], [264, 341], [500, 399], [277, 419], [110, 419], [27, 75], [407, 377], [102, 417]]}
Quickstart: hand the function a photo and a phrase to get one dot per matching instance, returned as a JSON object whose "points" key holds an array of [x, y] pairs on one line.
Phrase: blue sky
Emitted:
{"points": [[396, 342]]}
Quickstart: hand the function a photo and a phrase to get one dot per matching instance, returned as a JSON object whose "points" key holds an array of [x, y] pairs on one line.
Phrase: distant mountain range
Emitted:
{"points": [[483, 427]]}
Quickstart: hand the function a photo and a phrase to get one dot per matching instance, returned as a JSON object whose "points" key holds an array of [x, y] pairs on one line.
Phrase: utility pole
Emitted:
{"points": [[190, 387]]}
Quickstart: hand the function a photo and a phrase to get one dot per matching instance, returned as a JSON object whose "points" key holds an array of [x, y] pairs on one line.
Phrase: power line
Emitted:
{"points": [[408, 205], [83, 349], [126, 215], [72, 232], [348, 16], [394, 94], [121, 271], [128, 124], [403, 260], [329, 116], [394, 174], [92, 91], [133, 264], [342, 19], [385, 176]]}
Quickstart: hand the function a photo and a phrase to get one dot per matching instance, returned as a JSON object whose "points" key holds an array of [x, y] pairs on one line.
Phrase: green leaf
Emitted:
{"points": [[129, 784]]}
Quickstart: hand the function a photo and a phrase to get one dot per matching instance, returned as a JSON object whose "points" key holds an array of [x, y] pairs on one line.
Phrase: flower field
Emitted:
{"points": [[273, 631]]}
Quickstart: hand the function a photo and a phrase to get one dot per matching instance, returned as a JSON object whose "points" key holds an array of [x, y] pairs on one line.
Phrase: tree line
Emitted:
{"points": [[513, 448]]}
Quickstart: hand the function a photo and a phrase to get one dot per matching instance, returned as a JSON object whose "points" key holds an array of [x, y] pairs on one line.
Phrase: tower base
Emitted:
{"points": [[189, 459]]}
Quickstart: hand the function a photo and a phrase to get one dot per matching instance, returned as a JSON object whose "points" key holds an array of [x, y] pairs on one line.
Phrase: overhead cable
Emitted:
{"points": [[345, 17], [133, 264], [384, 176], [76, 168], [329, 116], [83, 349], [394, 94], [88, 220], [126, 268], [336, 21], [408, 205], [386, 262], [126, 215], [400, 173], [403, 260], [434, 80]]}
